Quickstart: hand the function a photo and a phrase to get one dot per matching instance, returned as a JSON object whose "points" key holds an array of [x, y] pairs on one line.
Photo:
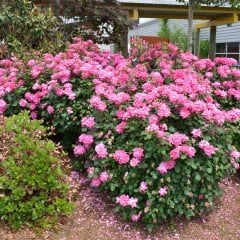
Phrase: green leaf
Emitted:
{"points": [[197, 177]]}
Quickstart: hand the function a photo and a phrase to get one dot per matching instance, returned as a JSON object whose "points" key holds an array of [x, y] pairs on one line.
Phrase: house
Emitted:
{"points": [[227, 39], [218, 24]]}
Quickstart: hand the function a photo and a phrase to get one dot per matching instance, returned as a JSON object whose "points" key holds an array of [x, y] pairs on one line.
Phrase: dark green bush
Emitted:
{"points": [[24, 28], [33, 186], [204, 48]]}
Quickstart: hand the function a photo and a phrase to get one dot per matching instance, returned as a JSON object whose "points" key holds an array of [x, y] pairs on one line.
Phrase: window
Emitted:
{"points": [[230, 49]]}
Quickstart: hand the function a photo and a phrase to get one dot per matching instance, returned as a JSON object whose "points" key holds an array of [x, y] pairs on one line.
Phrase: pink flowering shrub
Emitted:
{"points": [[57, 88], [155, 129], [168, 143]]}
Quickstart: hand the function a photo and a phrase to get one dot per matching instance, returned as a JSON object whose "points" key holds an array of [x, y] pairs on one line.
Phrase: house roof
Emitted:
{"points": [[168, 2], [172, 9]]}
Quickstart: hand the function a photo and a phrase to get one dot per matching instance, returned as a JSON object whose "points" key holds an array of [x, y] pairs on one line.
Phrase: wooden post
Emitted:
{"points": [[190, 24], [212, 47], [197, 42]]}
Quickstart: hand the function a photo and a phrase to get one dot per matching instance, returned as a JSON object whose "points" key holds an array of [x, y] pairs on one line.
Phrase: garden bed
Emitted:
{"points": [[93, 219]]}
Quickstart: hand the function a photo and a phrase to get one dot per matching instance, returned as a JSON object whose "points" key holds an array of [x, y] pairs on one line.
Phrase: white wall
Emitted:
{"points": [[224, 33]]}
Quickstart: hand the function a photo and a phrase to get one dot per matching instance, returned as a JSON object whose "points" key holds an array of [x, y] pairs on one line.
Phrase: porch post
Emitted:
{"points": [[197, 42], [212, 47]]}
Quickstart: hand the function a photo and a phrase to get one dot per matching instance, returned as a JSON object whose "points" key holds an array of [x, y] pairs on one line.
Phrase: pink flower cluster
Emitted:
{"points": [[101, 150], [125, 200], [121, 156], [207, 148], [97, 181], [177, 139], [187, 150], [235, 159], [3, 106], [84, 143], [88, 122], [138, 154], [165, 166], [196, 133], [143, 187]]}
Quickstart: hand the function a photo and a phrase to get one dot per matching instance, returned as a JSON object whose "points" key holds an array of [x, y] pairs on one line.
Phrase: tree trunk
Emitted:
{"points": [[190, 24]]}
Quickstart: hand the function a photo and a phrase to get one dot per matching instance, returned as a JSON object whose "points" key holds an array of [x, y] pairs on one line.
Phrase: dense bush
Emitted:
{"points": [[204, 48], [161, 142], [156, 129], [33, 185], [24, 28]]}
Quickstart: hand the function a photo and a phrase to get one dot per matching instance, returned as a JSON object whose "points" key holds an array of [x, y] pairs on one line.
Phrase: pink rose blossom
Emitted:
{"points": [[165, 166], [175, 153], [86, 139], [79, 150], [136, 217], [132, 202], [121, 157], [163, 191], [162, 168], [90, 170], [120, 127], [104, 176], [33, 115], [101, 150], [207, 148], [97, 103], [189, 151], [123, 200], [177, 138], [23, 103], [134, 162], [196, 133], [143, 187], [96, 182], [138, 153], [50, 109], [88, 122], [69, 110], [235, 154], [3, 106]]}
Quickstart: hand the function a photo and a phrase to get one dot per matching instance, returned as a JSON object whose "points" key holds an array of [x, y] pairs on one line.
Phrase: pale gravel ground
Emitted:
{"points": [[94, 220]]}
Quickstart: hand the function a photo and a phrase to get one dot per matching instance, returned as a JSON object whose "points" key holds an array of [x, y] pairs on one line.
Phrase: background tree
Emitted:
{"points": [[178, 36], [24, 27], [103, 22]]}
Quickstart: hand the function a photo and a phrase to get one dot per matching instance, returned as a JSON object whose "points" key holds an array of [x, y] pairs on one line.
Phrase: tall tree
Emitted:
{"points": [[192, 4], [102, 21]]}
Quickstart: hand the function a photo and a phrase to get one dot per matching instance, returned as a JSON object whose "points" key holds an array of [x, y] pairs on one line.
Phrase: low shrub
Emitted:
{"points": [[33, 184]]}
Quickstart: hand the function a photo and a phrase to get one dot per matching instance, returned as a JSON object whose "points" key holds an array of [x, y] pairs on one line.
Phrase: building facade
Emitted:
{"points": [[227, 42]]}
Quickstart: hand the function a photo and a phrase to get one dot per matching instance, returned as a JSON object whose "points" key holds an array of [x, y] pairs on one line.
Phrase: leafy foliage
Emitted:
{"points": [[33, 185], [176, 35], [24, 27], [204, 48], [101, 21]]}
